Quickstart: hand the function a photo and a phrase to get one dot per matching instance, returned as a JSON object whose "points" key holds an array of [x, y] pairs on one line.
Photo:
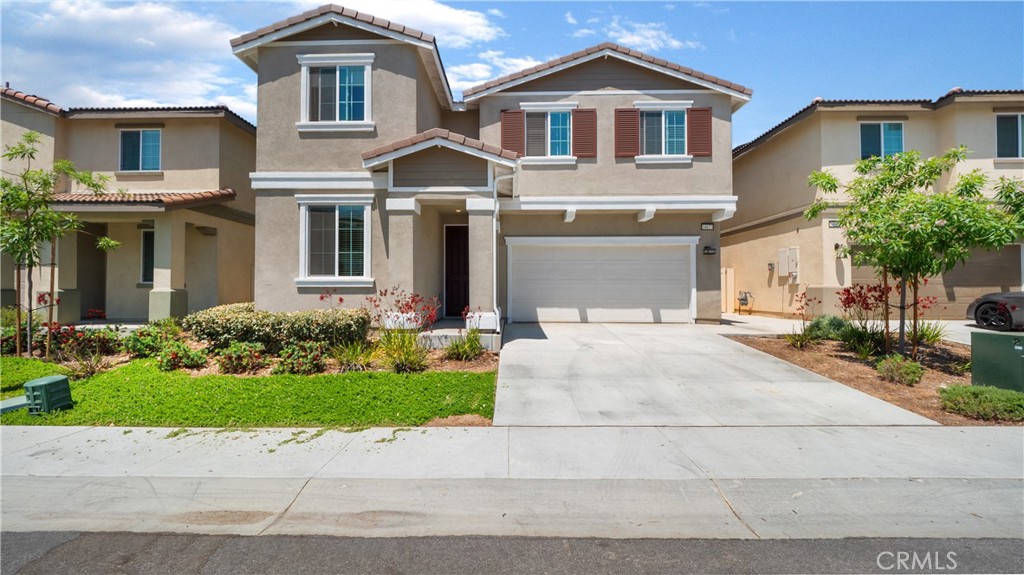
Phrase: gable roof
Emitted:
{"points": [[819, 103], [437, 137], [164, 112], [244, 46], [609, 49], [167, 200], [30, 100]]}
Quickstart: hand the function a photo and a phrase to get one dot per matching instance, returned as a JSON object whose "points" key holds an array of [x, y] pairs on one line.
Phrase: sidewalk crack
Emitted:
{"points": [[721, 493]]}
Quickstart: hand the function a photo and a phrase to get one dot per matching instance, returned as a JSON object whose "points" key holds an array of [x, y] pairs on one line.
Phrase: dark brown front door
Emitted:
{"points": [[456, 270]]}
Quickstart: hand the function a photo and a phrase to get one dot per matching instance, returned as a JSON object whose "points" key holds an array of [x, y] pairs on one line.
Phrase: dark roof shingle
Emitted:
{"points": [[166, 200], [442, 134], [329, 9]]}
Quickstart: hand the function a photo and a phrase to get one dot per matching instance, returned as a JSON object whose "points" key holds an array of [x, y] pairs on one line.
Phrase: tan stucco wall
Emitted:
{"points": [[124, 299], [277, 246], [281, 147], [237, 161], [607, 175], [15, 120], [189, 153], [708, 276]]}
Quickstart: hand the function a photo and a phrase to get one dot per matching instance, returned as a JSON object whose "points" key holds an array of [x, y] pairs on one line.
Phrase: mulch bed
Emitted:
{"points": [[832, 360]]}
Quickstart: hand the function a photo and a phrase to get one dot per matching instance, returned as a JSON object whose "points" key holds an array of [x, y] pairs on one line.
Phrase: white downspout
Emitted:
{"points": [[494, 249]]}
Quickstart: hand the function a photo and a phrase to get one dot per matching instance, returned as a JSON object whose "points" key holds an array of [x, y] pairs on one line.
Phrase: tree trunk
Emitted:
{"points": [[28, 321], [51, 299], [913, 354], [17, 310], [903, 317], [885, 309]]}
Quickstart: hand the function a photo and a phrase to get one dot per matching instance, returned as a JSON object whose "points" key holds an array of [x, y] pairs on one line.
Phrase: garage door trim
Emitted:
{"points": [[690, 241]]}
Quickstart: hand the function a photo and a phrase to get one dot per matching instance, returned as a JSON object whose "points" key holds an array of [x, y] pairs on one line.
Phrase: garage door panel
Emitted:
{"points": [[586, 283]]}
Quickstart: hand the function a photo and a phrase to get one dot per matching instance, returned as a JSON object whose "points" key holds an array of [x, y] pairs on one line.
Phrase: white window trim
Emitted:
{"points": [[306, 200], [881, 135], [547, 108], [1020, 140], [665, 106], [120, 149], [142, 257], [324, 60]]}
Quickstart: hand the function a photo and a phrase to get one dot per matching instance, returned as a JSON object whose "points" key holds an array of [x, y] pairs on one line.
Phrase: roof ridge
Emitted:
{"points": [[329, 9], [616, 48], [444, 134], [31, 100]]}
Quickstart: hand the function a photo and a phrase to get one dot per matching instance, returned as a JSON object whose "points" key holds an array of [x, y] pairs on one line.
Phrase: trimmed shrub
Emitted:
{"points": [[354, 356], [402, 350], [827, 327], [899, 369], [176, 355], [222, 325], [241, 357], [983, 402], [305, 358], [466, 348]]}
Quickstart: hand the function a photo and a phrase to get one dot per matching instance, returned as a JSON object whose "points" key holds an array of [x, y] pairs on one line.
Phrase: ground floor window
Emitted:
{"points": [[335, 239], [148, 252]]}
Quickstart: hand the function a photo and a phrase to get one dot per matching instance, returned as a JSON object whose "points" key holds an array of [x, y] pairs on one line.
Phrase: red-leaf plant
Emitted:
{"points": [[396, 302]]}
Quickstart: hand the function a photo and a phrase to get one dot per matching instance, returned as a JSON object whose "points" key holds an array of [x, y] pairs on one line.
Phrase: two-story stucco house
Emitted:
{"points": [[770, 250], [589, 188], [178, 200]]}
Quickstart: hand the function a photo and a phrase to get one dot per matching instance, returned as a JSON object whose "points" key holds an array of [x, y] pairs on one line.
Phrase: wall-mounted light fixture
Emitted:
{"points": [[710, 251], [771, 266]]}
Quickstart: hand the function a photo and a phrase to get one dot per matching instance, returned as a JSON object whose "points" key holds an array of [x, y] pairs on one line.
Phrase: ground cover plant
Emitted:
{"points": [[139, 394], [984, 402], [15, 371]]}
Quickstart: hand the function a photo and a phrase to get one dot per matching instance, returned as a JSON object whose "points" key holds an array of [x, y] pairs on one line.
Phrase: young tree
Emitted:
{"points": [[896, 222], [28, 219]]}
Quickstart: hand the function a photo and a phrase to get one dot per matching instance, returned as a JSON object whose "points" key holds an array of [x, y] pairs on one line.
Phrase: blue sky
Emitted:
{"points": [[85, 53]]}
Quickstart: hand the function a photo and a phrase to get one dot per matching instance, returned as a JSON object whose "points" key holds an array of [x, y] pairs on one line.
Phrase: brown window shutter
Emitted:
{"points": [[627, 132], [698, 132], [513, 131], [584, 133]]}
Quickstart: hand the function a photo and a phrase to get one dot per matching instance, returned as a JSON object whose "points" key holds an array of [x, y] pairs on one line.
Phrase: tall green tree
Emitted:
{"points": [[27, 219], [896, 221]]}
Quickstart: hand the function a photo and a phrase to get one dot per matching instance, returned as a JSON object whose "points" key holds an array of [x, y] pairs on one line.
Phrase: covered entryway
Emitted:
{"points": [[602, 279]]}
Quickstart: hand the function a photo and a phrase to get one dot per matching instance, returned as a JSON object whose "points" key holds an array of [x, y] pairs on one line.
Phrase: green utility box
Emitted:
{"points": [[47, 394], [997, 359]]}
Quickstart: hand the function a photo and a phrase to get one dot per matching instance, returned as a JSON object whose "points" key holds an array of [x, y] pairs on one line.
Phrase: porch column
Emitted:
{"points": [[168, 298], [403, 228], [481, 253], [69, 310]]}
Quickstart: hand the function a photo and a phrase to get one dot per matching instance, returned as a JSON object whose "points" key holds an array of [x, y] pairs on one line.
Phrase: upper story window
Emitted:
{"points": [[336, 92], [1010, 136], [548, 133], [663, 133], [140, 151], [880, 139], [334, 240]]}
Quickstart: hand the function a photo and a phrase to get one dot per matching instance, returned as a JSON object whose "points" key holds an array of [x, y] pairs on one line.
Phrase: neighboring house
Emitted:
{"points": [[770, 250], [585, 189], [178, 200]]}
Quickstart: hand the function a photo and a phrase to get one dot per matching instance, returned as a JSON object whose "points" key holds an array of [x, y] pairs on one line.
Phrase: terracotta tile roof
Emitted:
{"points": [[31, 100], [816, 103], [164, 199], [608, 46], [217, 110], [443, 134], [328, 9]]}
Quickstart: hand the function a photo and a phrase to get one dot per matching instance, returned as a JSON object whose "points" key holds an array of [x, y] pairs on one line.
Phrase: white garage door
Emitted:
{"points": [[617, 279]]}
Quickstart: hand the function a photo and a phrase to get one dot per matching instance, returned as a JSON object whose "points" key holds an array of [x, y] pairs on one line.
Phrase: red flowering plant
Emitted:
{"points": [[805, 306], [862, 303], [396, 308], [332, 302], [95, 313]]}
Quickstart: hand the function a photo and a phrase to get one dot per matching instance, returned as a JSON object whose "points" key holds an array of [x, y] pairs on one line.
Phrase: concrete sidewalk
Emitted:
{"points": [[756, 482]]}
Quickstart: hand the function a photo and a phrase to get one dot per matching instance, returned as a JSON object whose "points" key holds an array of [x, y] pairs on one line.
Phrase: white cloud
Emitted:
{"points": [[569, 18], [712, 7], [492, 64], [496, 13], [583, 33], [91, 54], [453, 27], [646, 36]]}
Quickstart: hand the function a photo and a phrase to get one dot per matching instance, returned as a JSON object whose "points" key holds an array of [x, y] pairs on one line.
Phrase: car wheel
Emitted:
{"points": [[989, 315]]}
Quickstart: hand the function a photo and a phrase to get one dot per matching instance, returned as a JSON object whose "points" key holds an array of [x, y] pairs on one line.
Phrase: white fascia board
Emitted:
{"points": [[548, 106], [486, 205], [702, 203], [321, 20], [602, 240], [441, 142], [626, 58], [318, 181]]}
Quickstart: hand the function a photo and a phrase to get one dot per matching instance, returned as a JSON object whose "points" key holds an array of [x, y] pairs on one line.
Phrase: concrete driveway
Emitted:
{"points": [[666, 375]]}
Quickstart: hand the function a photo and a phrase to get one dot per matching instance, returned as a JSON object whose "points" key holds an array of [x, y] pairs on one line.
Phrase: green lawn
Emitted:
{"points": [[15, 371], [138, 394]]}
